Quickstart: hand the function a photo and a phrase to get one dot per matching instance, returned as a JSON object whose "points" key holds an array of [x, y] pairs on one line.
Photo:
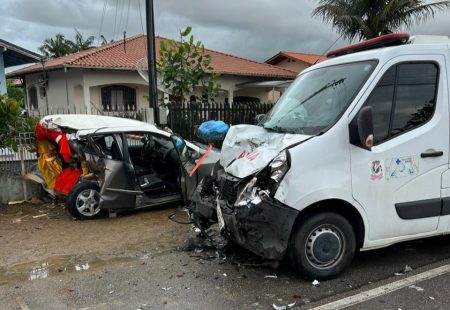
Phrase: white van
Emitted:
{"points": [[355, 155]]}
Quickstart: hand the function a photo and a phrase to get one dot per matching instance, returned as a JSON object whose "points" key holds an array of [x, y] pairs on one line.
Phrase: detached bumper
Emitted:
{"points": [[263, 229]]}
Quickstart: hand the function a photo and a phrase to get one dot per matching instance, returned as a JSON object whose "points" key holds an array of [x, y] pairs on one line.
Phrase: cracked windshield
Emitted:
{"points": [[317, 98]]}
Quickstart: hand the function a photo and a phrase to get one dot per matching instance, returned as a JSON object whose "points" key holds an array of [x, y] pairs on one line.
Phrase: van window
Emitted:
{"points": [[403, 99]]}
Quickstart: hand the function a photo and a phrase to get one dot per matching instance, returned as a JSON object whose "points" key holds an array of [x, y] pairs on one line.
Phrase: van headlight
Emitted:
{"points": [[279, 166]]}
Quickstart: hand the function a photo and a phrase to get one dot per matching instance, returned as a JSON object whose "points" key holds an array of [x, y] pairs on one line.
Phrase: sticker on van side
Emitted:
{"points": [[402, 167], [376, 170]]}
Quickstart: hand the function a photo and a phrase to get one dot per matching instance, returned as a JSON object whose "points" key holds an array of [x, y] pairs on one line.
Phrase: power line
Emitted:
{"points": [[128, 15], [105, 7], [115, 20], [140, 14], [120, 18]]}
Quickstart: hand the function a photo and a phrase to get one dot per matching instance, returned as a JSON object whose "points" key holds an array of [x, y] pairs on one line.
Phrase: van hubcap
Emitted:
{"points": [[325, 246], [87, 202]]}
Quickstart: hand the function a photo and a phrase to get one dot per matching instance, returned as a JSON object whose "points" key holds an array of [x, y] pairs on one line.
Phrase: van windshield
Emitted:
{"points": [[317, 98]]}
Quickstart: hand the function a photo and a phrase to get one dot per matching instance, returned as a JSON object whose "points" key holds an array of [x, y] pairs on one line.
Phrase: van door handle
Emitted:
{"points": [[431, 154]]}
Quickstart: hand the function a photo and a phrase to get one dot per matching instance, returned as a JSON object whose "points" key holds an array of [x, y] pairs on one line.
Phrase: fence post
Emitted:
{"points": [[22, 167]]}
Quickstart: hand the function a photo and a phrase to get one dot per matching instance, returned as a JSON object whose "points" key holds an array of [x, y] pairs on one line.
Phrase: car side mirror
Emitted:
{"points": [[365, 127], [259, 118]]}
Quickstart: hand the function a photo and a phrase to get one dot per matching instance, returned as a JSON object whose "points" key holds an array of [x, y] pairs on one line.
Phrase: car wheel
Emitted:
{"points": [[322, 245], [83, 201]]}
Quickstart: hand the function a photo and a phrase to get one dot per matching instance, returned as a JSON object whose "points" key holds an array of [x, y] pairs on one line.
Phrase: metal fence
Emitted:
{"points": [[18, 162], [183, 118]]}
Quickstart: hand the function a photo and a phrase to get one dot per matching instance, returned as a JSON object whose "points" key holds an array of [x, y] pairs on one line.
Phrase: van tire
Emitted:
{"points": [[322, 245], [84, 194]]}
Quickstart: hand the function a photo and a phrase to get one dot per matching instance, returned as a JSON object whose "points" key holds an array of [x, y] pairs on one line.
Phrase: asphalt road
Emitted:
{"points": [[146, 277]]}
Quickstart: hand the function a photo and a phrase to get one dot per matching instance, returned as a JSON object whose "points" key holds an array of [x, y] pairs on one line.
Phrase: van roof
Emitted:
{"points": [[385, 53], [388, 40]]}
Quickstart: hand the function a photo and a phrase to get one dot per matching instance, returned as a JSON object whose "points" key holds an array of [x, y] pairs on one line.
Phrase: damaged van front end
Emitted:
{"points": [[240, 195]]}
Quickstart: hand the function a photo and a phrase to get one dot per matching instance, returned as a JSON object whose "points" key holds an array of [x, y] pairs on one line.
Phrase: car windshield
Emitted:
{"points": [[317, 98]]}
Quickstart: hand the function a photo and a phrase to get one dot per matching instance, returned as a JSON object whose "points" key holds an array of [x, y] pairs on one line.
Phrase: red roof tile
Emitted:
{"points": [[120, 55], [308, 58]]}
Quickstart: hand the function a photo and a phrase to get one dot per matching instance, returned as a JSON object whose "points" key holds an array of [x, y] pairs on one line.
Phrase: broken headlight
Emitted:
{"points": [[279, 166]]}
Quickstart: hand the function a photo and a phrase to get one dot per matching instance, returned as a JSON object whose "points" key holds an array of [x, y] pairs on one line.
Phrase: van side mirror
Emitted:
{"points": [[365, 127], [259, 118]]}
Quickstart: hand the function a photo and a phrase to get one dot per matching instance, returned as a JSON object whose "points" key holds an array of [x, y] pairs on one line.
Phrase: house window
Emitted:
{"points": [[118, 98], [32, 98]]}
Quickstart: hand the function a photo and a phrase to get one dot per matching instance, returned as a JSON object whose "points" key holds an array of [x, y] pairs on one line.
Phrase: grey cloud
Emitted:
{"points": [[255, 29]]}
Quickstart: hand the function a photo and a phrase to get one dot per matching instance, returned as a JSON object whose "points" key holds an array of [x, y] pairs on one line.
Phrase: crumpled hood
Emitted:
{"points": [[248, 148]]}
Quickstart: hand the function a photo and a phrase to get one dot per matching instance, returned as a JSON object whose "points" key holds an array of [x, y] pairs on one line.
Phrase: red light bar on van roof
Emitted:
{"points": [[391, 39]]}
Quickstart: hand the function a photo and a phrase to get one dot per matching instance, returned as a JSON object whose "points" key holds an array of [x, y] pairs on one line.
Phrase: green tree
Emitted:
{"points": [[15, 93], [367, 19], [11, 121], [184, 65], [82, 44], [61, 46], [56, 47]]}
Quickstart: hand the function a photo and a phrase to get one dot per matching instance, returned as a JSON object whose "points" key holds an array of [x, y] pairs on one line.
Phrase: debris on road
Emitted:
{"points": [[417, 288], [316, 283], [40, 215], [271, 276], [405, 269], [284, 307]]}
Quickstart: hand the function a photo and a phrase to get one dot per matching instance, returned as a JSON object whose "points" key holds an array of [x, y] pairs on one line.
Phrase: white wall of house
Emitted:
{"points": [[78, 90]]}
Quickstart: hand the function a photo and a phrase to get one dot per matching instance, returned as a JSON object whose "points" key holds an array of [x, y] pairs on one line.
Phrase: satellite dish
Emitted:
{"points": [[142, 68]]}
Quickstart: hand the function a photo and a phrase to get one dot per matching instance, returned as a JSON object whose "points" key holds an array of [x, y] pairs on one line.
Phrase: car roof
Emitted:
{"points": [[99, 124], [93, 122]]}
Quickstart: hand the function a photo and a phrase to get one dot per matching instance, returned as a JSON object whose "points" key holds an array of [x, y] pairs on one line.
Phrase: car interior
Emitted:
{"points": [[156, 163]]}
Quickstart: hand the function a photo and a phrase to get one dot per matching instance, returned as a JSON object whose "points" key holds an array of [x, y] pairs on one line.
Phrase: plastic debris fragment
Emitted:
{"points": [[271, 276], [316, 283]]}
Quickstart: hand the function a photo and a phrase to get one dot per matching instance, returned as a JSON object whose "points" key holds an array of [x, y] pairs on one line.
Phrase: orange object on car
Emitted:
{"points": [[66, 180]]}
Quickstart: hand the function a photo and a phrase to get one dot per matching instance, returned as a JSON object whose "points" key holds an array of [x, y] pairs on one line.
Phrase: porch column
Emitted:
{"points": [[87, 98], [2, 73], [230, 96]]}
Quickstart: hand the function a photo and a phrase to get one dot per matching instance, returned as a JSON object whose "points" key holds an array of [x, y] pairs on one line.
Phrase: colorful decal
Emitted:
{"points": [[401, 167], [376, 170]]}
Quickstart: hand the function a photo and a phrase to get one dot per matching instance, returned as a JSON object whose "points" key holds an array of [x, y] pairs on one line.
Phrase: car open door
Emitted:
{"points": [[188, 178], [118, 183]]}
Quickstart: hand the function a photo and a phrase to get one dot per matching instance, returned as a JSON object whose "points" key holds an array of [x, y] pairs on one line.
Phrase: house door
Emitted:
{"points": [[398, 181]]}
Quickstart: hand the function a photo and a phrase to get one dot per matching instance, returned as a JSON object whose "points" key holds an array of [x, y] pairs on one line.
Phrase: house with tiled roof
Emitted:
{"points": [[294, 61], [106, 78]]}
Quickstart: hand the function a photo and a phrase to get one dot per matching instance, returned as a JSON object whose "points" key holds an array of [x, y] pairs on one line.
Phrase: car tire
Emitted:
{"points": [[83, 201], [322, 245]]}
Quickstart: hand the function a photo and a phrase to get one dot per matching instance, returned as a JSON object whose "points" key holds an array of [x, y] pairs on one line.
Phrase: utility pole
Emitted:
{"points": [[151, 60]]}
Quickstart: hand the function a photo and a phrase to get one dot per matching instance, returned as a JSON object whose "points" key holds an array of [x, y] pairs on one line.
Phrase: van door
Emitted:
{"points": [[189, 180], [118, 188], [398, 181]]}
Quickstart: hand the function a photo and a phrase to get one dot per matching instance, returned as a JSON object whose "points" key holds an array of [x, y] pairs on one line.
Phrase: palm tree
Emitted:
{"points": [[80, 44], [60, 46], [56, 47], [367, 19]]}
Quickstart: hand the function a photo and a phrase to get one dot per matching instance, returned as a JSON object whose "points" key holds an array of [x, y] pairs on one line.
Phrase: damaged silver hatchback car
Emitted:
{"points": [[115, 164]]}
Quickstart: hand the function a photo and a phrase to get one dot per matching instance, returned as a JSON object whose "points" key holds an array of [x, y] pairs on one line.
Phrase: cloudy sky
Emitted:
{"points": [[255, 29]]}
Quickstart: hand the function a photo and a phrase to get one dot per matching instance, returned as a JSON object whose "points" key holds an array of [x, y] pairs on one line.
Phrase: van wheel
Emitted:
{"points": [[322, 245], [83, 201]]}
